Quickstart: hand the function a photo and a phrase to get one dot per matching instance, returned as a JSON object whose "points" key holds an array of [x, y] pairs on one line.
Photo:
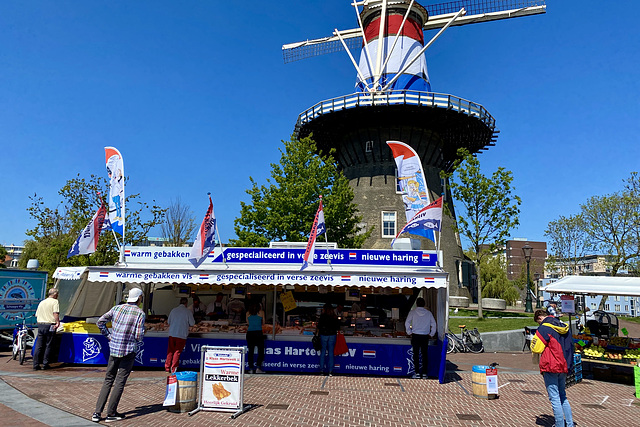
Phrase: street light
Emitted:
{"points": [[526, 250], [538, 302]]}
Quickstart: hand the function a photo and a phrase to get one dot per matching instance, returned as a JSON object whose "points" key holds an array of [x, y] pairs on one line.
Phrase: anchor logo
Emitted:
{"points": [[92, 348]]}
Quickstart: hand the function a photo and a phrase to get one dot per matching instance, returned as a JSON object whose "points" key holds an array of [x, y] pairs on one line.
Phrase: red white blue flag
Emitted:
{"points": [[87, 241], [428, 218], [205, 240], [317, 229]]}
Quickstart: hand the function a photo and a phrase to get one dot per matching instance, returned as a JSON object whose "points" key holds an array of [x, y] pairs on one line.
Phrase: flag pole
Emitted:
{"points": [[326, 233], [224, 260]]}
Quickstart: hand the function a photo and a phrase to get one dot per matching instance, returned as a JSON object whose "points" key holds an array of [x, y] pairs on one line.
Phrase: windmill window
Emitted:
{"points": [[368, 146], [388, 224]]}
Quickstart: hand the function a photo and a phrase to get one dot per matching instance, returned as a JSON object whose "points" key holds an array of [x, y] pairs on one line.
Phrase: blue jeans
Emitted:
{"points": [[555, 384], [328, 343]]}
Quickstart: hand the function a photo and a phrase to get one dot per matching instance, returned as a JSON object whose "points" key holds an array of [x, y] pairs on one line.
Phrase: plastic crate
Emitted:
{"points": [[577, 358]]}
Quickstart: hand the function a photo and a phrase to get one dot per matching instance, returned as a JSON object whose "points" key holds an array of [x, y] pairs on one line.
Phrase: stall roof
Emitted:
{"points": [[596, 285], [256, 276], [271, 266]]}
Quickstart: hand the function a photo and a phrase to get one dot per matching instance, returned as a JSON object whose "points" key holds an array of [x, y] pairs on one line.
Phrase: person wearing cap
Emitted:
{"points": [[127, 330]]}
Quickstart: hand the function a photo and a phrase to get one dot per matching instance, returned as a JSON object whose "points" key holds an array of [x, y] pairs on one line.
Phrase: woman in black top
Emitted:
{"points": [[327, 328]]}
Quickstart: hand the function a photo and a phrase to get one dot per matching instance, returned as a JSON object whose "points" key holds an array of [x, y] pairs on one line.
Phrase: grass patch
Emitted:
{"points": [[492, 325], [630, 319], [488, 313]]}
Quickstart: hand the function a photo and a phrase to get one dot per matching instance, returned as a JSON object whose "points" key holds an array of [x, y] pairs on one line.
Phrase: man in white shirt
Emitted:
{"points": [[421, 326], [180, 319], [48, 317]]}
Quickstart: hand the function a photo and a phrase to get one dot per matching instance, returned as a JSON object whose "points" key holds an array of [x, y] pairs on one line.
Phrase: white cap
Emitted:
{"points": [[134, 295]]}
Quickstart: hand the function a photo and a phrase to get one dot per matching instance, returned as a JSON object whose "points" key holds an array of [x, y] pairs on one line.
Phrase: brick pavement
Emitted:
{"points": [[294, 400]]}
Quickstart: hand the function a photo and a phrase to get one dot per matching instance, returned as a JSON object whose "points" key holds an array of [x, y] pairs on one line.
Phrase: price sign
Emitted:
{"points": [[568, 304], [492, 381], [288, 301]]}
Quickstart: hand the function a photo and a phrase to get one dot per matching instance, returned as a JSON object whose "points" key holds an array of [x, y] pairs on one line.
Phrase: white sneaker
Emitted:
{"points": [[259, 371]]}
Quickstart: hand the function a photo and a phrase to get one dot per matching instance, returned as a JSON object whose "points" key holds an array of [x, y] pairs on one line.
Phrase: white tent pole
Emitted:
{"points": [[426, 46]]}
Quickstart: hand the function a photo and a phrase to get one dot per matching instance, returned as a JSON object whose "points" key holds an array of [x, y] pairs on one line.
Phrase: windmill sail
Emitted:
{"points": [[439, 14]]}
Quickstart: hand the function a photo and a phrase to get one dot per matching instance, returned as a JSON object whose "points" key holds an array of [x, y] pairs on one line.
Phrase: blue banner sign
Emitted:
{"points": [[382, 359], [165, 255]]}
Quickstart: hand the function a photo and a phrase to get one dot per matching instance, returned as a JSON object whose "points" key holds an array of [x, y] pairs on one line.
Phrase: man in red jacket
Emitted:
{"points": [[555, 345]]}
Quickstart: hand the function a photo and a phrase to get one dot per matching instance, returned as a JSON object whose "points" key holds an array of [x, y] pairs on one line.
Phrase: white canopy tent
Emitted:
{"points": [[91, 291], [595, 285]]}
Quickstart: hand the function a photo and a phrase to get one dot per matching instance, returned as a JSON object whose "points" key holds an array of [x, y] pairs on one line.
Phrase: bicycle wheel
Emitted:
{"points": [[470, 346], [14, 349], [23, 350], [451, 345]]}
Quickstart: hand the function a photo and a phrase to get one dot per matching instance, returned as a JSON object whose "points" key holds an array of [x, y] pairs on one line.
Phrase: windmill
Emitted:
{"points": [[393, 100]]}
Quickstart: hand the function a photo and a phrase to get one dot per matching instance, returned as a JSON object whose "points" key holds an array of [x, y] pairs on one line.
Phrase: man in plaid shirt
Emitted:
{"points": [[127, 330]]}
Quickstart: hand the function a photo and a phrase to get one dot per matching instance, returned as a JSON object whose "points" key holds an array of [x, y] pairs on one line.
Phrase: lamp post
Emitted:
{"points": [[526, 250], [537, 277]]}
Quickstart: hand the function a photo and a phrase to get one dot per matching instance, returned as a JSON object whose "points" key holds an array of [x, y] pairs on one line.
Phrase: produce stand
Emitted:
{"points": [[375, 288], [605, 355]]}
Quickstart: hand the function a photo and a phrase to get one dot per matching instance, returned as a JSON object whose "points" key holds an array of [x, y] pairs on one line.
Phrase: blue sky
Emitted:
{"points": [[196, 97]]}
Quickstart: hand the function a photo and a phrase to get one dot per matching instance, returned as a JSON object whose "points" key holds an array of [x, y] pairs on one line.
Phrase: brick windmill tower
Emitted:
{"points": [[394, 101]]}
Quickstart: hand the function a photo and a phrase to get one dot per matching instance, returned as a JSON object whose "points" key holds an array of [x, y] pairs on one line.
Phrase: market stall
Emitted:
{"points": [[372, 291], [605, 355]]}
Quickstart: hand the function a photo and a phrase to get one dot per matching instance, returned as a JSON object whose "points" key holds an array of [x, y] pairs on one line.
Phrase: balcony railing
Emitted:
{"points": [[397, 97]]}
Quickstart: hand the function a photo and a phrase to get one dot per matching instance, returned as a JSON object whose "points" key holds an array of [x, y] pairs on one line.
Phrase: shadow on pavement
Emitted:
{"points": [[545, 420]]}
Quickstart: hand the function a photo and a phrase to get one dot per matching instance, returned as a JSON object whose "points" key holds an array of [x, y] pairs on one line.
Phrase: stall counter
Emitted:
{"points": [[287, 353]]}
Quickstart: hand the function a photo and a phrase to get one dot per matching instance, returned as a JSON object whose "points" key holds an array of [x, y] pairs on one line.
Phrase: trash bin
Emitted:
{"points": [[479, 382], [187, 392]]}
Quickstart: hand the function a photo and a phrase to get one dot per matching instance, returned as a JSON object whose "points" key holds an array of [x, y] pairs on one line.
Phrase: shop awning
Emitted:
{"points": [[241, 275], [596, 285]]}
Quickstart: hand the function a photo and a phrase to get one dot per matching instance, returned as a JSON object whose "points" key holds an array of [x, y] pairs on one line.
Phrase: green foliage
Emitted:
{"points": [[567, 243], [284, 208], [495, 283], [58, 227], [3, 255], [486, 208]]}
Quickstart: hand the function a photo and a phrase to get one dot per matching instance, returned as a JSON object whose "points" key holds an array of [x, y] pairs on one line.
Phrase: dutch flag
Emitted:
{"points": [[204, 276], [397, 369], [104, 274], [352, 255], [429, 280], [426, 257], [345, 278], [368, 353]]}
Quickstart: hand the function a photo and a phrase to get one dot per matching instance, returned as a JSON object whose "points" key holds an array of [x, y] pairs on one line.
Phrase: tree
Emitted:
{"points": [[284, 208], [486, 207], [3, 256], [612, 226], [57, 227], [179, 224], [495, 283], [567, 243]]}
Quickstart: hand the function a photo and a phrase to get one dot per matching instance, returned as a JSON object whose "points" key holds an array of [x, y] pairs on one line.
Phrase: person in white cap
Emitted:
{"points": [[127, 330]]}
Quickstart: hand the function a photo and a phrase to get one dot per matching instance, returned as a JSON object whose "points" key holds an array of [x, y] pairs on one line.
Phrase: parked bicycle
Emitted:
{"points": [[468, 341], [22, 337]]}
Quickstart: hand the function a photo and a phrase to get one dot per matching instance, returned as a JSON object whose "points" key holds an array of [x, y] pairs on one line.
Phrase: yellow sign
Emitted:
{"points": [[288, 301]]}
